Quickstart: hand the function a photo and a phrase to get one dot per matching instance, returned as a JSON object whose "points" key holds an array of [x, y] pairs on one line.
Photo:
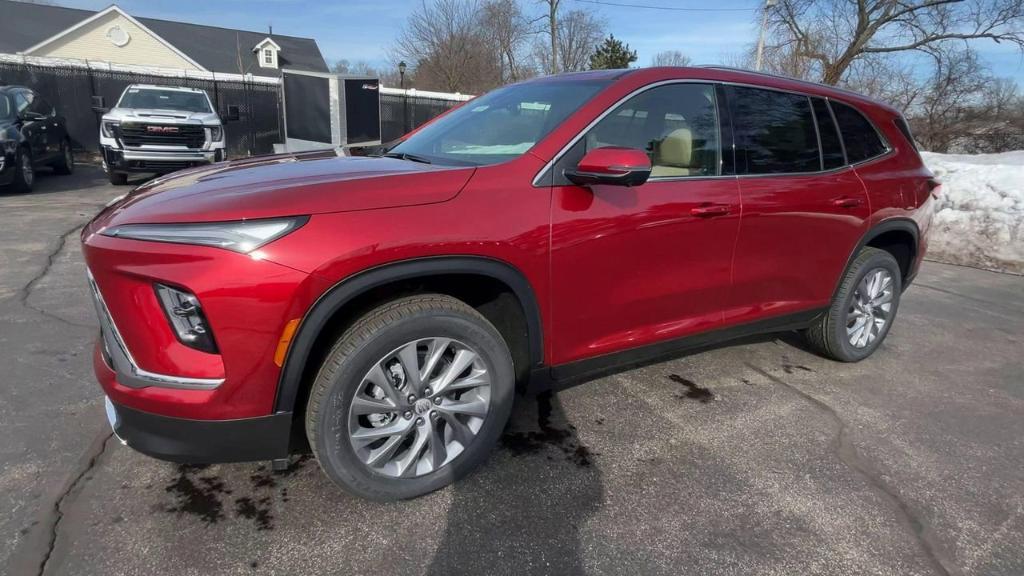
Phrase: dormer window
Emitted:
{"points": [[267, 53]]}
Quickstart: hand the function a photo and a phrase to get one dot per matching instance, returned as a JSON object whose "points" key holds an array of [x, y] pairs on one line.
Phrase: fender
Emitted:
{"points": [[898, 223], [346, 290]]}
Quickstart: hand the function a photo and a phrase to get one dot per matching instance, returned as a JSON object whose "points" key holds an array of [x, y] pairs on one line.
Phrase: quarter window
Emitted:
{"points": [[774, 132], [831, 146], [676, 125], [859, 135]]}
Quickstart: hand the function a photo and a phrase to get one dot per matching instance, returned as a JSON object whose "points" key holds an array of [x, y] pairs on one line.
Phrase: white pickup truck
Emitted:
{"points": [[160, 129]]}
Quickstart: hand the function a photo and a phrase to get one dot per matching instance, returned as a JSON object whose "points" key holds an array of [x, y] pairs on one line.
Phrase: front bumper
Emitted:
{"points": [[158, 161], [201, 441]]}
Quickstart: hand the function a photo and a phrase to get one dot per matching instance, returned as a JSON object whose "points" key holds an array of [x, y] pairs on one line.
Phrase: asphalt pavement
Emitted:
{"points": [[754, 458]]}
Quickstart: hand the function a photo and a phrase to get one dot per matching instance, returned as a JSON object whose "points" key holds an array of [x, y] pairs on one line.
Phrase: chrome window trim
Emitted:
{"points": [[889, 150], [134, 376]]}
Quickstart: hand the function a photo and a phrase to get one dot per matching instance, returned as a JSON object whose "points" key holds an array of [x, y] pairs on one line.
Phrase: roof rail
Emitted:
{"points": [[791, 79]]}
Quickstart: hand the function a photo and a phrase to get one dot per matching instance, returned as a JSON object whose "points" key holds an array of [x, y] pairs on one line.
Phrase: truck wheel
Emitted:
{"points": [[411, 397], [863, 309], [66, 163], [118, 178], [24, 172]]}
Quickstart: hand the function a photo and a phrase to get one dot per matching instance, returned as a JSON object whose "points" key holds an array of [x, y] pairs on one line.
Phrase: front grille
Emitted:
{"points": [[187, 135]]}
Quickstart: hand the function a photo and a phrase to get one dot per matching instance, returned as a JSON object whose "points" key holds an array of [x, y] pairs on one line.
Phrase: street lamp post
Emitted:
{"points": [[405, 98], [760, 39]]}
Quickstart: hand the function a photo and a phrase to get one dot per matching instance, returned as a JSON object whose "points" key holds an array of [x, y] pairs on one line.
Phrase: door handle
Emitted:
{"points": [[710, 211], [847, 202]]}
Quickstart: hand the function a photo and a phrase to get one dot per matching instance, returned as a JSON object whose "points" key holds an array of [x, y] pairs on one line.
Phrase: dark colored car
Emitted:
{"points": [[385, 309], [32, 135]]}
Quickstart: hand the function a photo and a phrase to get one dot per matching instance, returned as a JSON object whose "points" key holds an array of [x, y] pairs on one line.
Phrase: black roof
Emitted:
{"points": [[23, 25]]}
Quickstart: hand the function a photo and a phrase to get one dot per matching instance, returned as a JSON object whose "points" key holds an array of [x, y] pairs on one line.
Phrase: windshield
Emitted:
{"points": [[6, 110], [155, 99], [500, 125]]}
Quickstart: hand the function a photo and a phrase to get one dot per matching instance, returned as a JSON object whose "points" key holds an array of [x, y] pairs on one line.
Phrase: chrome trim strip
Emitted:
{"points": [[128, 371]]}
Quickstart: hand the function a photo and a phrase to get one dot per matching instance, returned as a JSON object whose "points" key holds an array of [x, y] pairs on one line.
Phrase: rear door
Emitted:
{"points": [[804, 208], [635, 266], [50, 128], [33, 130]]}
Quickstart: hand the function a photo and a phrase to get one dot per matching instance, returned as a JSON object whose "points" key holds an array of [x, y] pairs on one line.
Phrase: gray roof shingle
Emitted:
{"points": [[23, 25]]}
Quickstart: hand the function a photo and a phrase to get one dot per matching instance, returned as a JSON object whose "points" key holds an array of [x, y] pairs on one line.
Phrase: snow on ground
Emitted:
{"points": [[979, 218]]}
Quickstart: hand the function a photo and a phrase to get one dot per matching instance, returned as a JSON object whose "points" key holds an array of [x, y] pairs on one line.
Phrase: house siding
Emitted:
{"points": [[90, 43]]}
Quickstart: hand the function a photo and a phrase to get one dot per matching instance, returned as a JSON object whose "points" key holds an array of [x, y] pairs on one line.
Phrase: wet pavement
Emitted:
{"points": [[754, 458]]}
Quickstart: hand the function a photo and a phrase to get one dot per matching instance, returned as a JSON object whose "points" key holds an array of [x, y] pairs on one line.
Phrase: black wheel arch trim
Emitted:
{"points": [[893, 224], [335, 298]]}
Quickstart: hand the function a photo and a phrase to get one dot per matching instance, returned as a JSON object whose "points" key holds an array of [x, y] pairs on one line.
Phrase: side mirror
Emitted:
{"points": [[99, 105], [232, 114], [611, 165]]}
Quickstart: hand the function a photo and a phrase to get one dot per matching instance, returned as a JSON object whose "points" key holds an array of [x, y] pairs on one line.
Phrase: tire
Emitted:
{"points": [[836, 335], [118, 178], [425, 322], [23, 182], [66, 163]]}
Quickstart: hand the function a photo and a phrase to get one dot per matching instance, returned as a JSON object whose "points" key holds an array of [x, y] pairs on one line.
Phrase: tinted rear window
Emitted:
{"points": [[774, 132], [904, 128], [859, 135], [831, 148]]}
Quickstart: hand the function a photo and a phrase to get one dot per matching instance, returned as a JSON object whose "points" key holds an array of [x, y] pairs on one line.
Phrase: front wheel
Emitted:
{"points": [[118, 178], [24, 172], [66, 163], [863, 309], [412, 397]]}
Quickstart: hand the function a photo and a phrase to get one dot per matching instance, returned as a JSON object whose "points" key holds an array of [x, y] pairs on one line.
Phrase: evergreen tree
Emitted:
{"points": [[612, 54]]}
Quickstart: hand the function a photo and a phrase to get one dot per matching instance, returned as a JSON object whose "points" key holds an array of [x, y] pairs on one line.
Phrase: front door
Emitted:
{"points": [[640, 265]]}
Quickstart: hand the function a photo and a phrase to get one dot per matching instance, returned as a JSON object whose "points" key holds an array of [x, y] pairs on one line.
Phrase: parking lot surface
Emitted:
{"points": [[753, 458]]}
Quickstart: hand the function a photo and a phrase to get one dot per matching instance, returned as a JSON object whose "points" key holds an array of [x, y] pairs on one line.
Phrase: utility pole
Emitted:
{"points": [[760, 39]]}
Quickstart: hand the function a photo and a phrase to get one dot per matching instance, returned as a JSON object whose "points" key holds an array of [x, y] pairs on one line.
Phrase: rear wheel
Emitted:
{"points": [[863, 310], [24, 173], [66, 163], [412, 397], [118, 178]]}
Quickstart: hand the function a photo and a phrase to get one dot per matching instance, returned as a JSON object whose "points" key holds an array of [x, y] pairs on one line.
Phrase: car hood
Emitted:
{"points": [[286, 185], [162, 116]]}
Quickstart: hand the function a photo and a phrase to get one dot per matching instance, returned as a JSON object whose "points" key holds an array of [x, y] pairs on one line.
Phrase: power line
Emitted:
{"points": [[670, 8]]}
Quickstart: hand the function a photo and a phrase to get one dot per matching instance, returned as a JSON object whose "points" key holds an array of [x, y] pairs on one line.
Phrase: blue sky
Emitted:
{"points": [[365, 29]]}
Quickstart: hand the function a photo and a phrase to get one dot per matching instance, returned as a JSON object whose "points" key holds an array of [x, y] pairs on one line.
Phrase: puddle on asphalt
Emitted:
{"points": [[693, 390], [549, 436], [204, 495], [790, 368]]}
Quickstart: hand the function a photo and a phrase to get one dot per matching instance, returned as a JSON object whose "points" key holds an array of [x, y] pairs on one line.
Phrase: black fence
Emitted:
{"points": [[70, 90]]}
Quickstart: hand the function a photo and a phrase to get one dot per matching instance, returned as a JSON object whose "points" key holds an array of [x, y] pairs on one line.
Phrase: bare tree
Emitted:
{"points": [[830, 35], [509, 29], [579, 33], [553, 30], [670, 58], [950, 103], [450, 52]]}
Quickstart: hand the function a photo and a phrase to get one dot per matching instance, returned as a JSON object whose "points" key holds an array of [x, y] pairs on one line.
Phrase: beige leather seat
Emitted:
{"points": [[674, 155]]}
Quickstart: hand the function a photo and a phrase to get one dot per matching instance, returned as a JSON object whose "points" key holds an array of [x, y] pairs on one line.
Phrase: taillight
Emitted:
{"points": [[186, 318]]}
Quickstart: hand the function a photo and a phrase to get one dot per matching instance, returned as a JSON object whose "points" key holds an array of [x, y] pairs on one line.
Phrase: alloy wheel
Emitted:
{"points": [[871, 307], [419, 407]]}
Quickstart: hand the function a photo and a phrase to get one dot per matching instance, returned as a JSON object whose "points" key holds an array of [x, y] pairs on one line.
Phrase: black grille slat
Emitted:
{"points": [[188, 135]]}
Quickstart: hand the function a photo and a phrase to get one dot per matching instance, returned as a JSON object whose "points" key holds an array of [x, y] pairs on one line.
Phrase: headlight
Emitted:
{"points": [[216, 133], [242, 236], [109, 127]]}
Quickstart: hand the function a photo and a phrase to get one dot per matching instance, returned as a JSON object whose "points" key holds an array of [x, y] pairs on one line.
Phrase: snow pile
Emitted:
{"points": [[979, 218]]}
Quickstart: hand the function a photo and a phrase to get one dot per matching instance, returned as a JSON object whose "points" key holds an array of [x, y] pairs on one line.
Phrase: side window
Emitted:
{"points": [[831, 145], [21, 102], [774, 132], [904, 128], [676, 124], [859, 135], [40, 106]]}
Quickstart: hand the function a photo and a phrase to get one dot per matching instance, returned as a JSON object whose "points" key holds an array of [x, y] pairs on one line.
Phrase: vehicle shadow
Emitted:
{"points": [[523, 512]]}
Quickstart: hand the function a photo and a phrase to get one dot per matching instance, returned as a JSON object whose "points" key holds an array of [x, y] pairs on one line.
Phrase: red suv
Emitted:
{"points": [[384, 309]]}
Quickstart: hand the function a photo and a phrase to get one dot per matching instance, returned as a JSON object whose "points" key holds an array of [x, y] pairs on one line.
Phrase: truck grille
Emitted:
{"points": [[187, 135]]}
